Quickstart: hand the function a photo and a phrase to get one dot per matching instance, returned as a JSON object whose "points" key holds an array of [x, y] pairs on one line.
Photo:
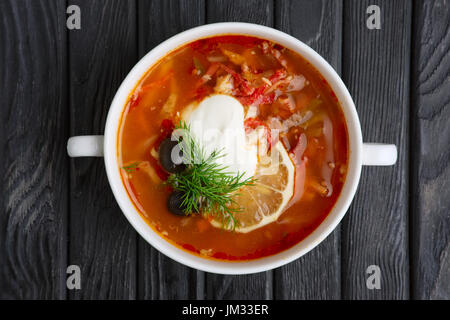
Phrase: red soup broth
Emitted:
{"points": [[321, 167]]}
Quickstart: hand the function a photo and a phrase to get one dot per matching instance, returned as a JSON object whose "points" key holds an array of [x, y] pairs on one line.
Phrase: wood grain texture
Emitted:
{"points": [[102, 242], [376, 71], [159, 276], [253, 11], [430, 151], [317, 274], [255, 286], [34, 167], [57, 82]]}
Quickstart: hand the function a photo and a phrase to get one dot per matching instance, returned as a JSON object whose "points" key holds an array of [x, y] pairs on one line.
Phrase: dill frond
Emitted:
{"points": [[207, 185]]}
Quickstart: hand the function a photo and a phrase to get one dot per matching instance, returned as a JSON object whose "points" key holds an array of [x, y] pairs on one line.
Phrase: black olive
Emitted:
{"points": [[174, 203], [165, 157]]}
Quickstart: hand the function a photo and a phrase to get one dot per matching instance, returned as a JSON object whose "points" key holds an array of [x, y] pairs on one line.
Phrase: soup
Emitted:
{"points": [[262, 148]]}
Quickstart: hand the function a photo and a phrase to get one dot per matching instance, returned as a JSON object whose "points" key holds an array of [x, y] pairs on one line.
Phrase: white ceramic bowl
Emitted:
{"points": [[371, 154]]}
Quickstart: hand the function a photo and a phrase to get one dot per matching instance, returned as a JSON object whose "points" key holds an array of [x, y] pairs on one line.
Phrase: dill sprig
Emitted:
{"points": [[131, 167], [207, 185]]}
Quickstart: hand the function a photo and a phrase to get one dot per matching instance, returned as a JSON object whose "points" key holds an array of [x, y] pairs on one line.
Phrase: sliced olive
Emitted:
{"points": [[165, 156], [174, 203]]}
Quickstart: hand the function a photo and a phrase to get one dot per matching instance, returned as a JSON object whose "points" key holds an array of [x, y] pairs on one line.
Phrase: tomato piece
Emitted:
{"points": [[167, 128], [137, 97], [278, 75], [202, 92], [242, 85], [258, 97], [253, 123], [212, 69], [135, 101]]}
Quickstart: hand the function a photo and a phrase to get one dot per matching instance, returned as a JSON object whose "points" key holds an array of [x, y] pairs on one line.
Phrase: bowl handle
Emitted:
{"points": [[85, 146], [374, 154], [378, 154]]}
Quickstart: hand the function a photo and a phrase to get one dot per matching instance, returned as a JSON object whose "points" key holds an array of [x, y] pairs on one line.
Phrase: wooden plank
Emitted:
{"points": [[430, 126], [102, 242], [160, 277], [255, 286], [253, 11], [317, 274], [376, 71], [34, 166]]}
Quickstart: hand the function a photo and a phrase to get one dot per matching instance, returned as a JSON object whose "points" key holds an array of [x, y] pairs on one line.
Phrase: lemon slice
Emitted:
{"points": [[264, 202]]}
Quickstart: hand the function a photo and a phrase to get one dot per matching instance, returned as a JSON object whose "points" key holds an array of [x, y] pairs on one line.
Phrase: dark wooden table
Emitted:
{"points": [[55, 212]]}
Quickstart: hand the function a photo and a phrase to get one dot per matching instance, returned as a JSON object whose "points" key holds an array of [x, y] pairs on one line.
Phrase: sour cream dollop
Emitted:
{"points": [[217, 122]]}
